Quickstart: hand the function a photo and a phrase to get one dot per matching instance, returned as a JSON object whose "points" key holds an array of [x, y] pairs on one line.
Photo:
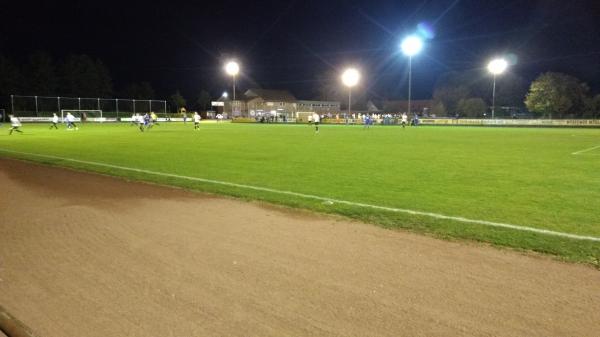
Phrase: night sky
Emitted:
{"points": [[297, 45]]}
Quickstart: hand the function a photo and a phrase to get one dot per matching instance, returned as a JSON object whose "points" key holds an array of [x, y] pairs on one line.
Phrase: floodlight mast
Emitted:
{"points": [[232, 68], [350, 78], [411, 46], [496, 67]]}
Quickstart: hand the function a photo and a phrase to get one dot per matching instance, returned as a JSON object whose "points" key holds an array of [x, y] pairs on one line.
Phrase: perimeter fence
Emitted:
{"points": [[44, 106]]}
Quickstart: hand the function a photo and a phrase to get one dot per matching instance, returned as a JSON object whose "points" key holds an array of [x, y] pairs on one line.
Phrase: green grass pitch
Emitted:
{"points": [[520, 176]]}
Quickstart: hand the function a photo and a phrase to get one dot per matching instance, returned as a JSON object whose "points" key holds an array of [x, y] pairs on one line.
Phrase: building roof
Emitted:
{"points": [[303, 101], [271, 95], [401, 105]]}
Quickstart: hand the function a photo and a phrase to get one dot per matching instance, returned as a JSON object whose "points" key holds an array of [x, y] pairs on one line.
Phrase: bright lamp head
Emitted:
{"points": [[411, 45], [497, 66], [232, 68], [225, 94], [350, 77]]}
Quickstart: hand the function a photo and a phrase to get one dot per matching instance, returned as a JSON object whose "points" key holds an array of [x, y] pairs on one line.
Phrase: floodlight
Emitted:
{"points": [[411, 45], [232, 68], [350, 77], [497, 66], [225, 94]]}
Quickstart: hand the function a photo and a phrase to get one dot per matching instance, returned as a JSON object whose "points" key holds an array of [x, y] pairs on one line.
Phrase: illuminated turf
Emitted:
{"points": [[520, 176]]}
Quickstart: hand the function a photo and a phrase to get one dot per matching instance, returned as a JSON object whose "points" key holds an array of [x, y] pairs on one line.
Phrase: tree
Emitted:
{"points": [[203, 100], [81, 76], [556, 95], [177, 101], [438, 110], [592, 107], [454, 86], [510, 90], [472, 107], [40, 75], [142, 90], [449, 97], [10, 77]]}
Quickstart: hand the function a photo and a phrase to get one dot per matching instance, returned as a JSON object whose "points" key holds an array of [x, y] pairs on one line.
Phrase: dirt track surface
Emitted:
{"points": [[89, 255]]}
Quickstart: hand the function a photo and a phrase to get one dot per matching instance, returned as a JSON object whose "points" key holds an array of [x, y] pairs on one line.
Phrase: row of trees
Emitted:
{"points": [[201, 102], [551, 95], [556, 95], [77, 75]]}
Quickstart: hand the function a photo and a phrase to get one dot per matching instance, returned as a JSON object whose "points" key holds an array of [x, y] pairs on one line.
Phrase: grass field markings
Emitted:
{"points": [[323, 199], [586, 150]]}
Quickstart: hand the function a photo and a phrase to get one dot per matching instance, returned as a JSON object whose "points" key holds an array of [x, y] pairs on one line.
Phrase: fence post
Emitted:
{"points": [[134, 106], [36, 106], [12, 105], [79, 103], [117, 106], [58, 103]]}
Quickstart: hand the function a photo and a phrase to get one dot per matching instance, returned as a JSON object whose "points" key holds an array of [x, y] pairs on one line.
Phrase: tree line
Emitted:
{"points": [[550, 95], [77, 76], [74, 76]]}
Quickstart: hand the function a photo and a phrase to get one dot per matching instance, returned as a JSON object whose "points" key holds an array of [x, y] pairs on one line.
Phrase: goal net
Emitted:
{"points": [[83, 115]]}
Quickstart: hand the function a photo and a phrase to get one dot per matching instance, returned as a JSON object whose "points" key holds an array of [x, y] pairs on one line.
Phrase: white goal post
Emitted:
{"points": [[89, 113]]}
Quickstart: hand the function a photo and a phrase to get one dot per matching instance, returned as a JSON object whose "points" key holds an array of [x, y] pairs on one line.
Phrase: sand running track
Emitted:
{"points": [[89, 255]]}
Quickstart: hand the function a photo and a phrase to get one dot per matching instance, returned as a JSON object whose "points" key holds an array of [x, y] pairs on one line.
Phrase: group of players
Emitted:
{"points": [[315, 119], [15, 123], [146, 121]]}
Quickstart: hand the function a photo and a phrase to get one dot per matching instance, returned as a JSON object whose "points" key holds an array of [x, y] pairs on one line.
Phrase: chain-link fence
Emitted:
{"points": [[43, 106]]}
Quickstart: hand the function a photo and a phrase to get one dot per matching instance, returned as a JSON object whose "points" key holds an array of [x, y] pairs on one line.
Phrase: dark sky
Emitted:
{"points": [[296, 44]]}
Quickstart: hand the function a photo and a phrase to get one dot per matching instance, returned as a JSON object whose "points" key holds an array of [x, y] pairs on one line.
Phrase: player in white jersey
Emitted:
{"points": [[54, 122], [404, 120], [316, 120], [15, 124], [71, 121], [197, 119], [140, 121]]}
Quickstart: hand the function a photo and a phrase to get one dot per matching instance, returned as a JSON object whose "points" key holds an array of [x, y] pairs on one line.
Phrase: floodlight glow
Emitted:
{"points": [[497, 66], [225, 94], [411, 45], [232, 68], [350, 77]]}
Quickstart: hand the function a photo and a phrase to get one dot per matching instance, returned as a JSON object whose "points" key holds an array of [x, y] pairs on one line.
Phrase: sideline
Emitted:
{"points": [[328, 200], [586, 150]]}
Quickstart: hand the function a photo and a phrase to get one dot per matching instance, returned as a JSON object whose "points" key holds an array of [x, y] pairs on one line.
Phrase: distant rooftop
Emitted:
{"points": [[271, 95]]}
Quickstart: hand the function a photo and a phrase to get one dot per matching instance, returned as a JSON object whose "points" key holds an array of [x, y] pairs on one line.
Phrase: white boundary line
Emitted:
{"points": [[315, 197], [586, 150]]}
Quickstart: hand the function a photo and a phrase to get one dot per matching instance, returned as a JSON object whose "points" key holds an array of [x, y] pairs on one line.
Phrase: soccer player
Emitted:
{"points": [[316, 119], [183, 111], [154, 118], [367, 122], [15, 124], [147, 121], [134, 119], [71, 121], [404, 120], [140, 121], [54, 121], [197, 119]]}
